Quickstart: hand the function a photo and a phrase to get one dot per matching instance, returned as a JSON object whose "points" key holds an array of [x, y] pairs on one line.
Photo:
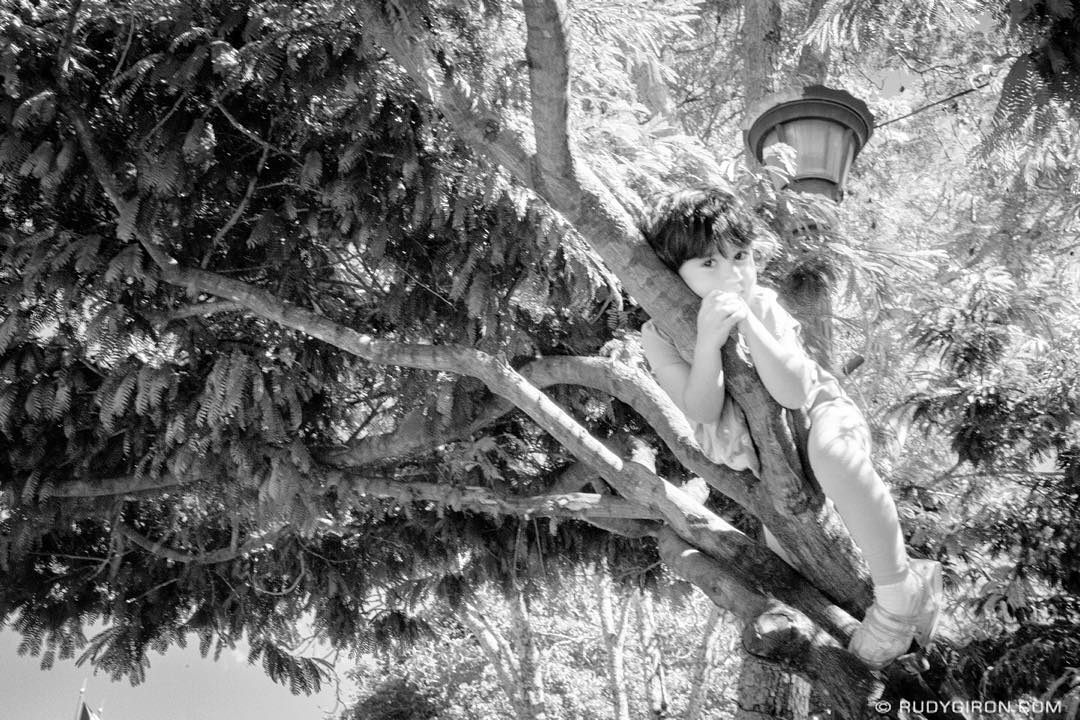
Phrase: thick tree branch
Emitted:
{"points": [[573, 479], [208, 558], [629, 384], [774, 627], [761, 48], [547, 51]]}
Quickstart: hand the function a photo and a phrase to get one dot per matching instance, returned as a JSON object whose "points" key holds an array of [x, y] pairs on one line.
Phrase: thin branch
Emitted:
{"points": [[94, 156], [127, 47], [164, 118], [480, 499], [252, 136], [112, 487], [287, 591], [630, 385], [239, 209], [196, 310], [379, 407], [918, 110], [499, 654], [63, 55], [208, 558]]}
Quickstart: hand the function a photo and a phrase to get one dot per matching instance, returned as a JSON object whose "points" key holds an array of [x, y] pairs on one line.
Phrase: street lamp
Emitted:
{"points": [[826, 128]]}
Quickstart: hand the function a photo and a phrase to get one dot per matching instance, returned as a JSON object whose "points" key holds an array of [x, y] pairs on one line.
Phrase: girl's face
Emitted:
{"points": [[735, 274]]}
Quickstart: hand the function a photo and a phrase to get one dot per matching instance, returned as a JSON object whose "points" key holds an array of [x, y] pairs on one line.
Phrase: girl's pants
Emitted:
{"points": [[839, 453]]}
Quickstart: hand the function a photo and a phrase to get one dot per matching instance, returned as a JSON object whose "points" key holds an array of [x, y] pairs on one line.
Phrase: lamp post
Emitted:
{"points": [[825, 127]]}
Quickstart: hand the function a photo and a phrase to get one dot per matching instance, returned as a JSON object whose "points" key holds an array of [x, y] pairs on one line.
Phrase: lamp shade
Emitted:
{"points": [[825, 127]]}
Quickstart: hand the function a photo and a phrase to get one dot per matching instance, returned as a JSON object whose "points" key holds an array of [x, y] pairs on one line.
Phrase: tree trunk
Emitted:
{"points": [[808, 294], [767, 691], [652, 656], [531, 670], [813, 63], [704, 662], [500, 655], [761, 48], [614, 634]]}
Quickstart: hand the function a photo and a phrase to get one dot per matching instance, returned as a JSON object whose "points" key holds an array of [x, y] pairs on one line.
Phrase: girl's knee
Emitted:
{"points": [[837, 453]]}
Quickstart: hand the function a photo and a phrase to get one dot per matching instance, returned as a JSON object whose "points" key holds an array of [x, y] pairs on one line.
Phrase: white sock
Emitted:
{"points": [[900, 597]]}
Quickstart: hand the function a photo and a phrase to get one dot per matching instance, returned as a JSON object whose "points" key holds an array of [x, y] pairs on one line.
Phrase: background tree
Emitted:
{"points": [[459, 674]]}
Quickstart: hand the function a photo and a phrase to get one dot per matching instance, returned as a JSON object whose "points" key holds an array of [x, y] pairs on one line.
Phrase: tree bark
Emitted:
{"points": [[813, 63], [762, 33], [704, 662], [531, 669], [652, 653], [614, 634], [766, 691], [777, 631], [501, 657]]}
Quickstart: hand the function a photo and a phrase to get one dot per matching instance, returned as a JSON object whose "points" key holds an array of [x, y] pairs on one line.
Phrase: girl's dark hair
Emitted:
{"points": [[692, 223]]}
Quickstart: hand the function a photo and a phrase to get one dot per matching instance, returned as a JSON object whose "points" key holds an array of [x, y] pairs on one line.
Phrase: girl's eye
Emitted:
{"points": [[742, 255], [709, 263]]}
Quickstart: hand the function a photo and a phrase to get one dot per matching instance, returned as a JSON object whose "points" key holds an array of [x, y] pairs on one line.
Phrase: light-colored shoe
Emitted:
{"points": [[884, 636]]}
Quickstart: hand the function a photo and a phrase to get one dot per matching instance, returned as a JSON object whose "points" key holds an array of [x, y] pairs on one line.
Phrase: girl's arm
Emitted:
{"points": [[784, 368], [698, 388]]}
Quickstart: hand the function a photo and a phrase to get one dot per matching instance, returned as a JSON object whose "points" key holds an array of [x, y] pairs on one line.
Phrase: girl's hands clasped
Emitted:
{"points": [[719, 313]]}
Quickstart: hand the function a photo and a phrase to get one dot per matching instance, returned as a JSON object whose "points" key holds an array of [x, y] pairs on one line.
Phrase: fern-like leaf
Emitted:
{"points": [[37, 110], [311, 172], [126, 264], [62, 398], [88, 253], [199, 143], [187, 72], [38, 399], [30, 488], [39, 162], [9, 329], [146, 377], [118, 400], [235, 384], [213, 393], [478, 294]]}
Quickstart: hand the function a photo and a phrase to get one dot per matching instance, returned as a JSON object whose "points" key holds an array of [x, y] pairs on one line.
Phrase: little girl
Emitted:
{"points": [[708, 238]]}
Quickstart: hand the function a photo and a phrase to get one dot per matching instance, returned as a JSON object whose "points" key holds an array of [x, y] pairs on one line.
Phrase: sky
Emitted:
{"points": [[180, 685]]}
